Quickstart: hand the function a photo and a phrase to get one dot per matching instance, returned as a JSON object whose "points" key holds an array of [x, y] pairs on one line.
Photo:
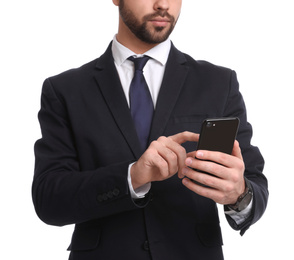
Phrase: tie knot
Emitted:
{"points": [[139, 62]]}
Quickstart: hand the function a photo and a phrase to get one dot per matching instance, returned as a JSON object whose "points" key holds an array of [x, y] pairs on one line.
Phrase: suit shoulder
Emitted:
{"points": [[72, 80], [204, 65], [74, 73], [85, 71]]}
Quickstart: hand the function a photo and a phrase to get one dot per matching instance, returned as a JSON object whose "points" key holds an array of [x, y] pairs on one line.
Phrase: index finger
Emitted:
{"points": [[185, 137]]}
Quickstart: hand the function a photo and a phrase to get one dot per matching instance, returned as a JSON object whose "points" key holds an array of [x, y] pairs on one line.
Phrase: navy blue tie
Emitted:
{"points": [[140, 101]]}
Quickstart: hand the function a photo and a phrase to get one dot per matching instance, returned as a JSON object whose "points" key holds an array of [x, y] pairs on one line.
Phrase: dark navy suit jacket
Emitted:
{"points": [[89, 140]]}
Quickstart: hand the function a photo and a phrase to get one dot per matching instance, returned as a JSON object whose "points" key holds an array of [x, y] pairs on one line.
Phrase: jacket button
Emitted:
{"points": [[115, 192], [146, 245], [105, 197], [110, 194]]}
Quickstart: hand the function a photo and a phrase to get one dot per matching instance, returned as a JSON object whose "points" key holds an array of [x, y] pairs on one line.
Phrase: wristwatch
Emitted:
{"points": [[244, 199]]}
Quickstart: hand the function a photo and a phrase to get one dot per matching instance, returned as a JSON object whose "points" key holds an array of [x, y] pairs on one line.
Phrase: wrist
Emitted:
{"points": [[244, 199], [135, 181]]}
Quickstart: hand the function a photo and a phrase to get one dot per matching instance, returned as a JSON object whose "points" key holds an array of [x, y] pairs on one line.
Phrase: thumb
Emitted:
{"points": [[237, 150]]}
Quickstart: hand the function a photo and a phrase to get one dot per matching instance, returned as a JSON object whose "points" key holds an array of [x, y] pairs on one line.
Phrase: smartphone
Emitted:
{"points": [[218, 134]]}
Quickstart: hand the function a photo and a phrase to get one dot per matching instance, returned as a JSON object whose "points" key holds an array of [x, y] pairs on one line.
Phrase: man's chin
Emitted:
{"points": [[158, 34]]}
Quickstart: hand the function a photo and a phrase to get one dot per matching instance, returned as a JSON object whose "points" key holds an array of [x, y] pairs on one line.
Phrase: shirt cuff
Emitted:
{"points": [[240, 217], [141, 191]]}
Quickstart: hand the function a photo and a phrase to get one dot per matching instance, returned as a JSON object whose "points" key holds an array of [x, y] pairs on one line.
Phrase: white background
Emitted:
{"points": [[43, 38]]}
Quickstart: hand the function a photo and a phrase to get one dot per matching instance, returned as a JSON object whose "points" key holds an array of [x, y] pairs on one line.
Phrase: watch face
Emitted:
{"points": [[245, 202]]}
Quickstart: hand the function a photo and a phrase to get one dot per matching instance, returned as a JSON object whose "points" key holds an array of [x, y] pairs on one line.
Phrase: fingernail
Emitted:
{"points": [[199, 154], [185, 170], [185, 181], [188, 161]]}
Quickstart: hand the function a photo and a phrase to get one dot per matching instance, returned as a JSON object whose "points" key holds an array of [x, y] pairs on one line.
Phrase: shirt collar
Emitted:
{"points": [[159, 53]]}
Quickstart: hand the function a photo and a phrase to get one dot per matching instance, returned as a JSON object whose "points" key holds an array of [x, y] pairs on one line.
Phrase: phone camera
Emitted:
{"points": [[210, 124]]}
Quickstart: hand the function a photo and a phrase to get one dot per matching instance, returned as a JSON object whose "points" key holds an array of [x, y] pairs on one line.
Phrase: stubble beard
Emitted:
{"points": [[153, 35]]}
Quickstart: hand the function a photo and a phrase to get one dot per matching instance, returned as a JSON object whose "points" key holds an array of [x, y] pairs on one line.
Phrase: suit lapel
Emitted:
{"points": [[110, 86], [172, 84]]}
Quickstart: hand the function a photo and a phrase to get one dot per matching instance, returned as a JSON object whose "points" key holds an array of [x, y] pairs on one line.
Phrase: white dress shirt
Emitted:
{"points": [[153, 73]]}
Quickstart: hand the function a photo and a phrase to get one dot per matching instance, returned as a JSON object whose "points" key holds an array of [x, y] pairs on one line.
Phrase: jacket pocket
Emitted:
{"points": [[180, 119], [209, 234], [85, 237]]}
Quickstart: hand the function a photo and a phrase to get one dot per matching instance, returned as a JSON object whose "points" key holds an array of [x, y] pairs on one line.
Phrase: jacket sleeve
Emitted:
{"points": [[62, 193], [254, 162]]}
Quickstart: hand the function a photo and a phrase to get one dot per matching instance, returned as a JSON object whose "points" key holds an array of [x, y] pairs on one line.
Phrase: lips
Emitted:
{"points": [[161, 22]]}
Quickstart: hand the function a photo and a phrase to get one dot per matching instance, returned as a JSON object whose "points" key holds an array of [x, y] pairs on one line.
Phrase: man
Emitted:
{"points": [[125, 197]]}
